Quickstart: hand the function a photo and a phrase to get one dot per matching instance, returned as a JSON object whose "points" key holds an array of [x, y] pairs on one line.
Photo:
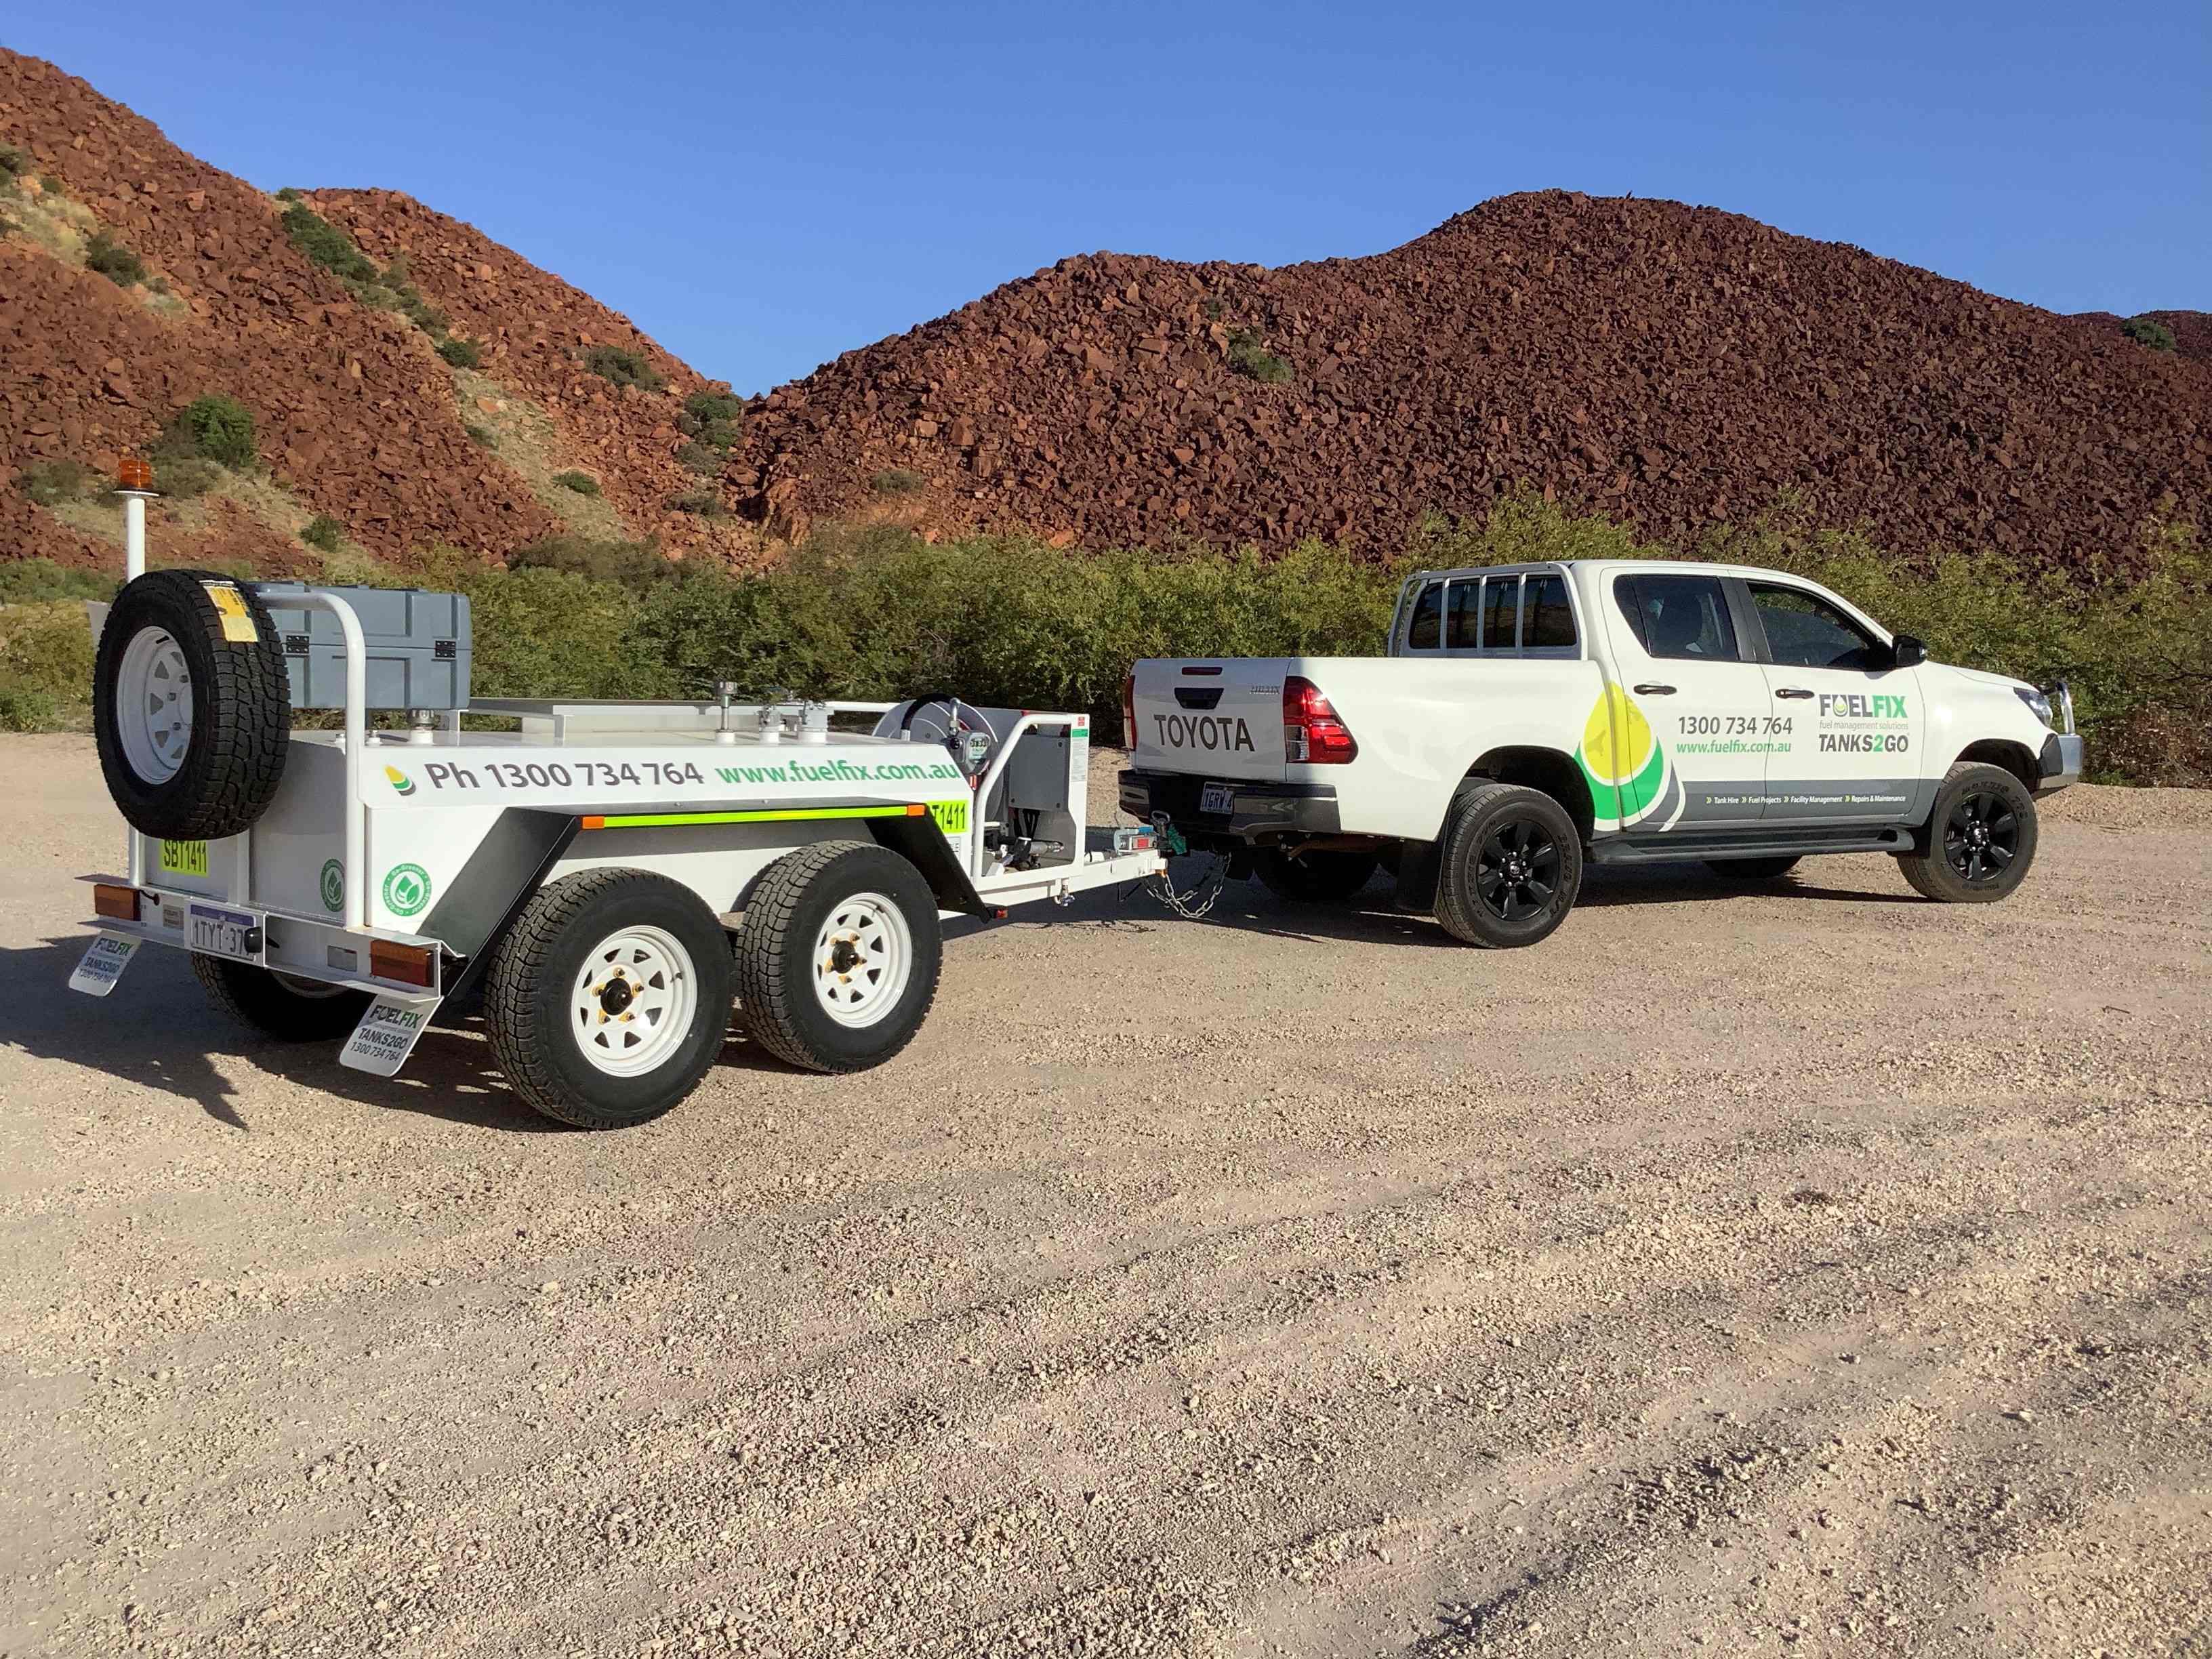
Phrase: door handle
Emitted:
{"points": [[1654, 690], [1792, 691]]}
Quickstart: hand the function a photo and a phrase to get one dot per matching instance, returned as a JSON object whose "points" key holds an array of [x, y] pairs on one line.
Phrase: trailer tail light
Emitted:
{"points": [[1312, 734], [1129, 710], [116, 903], [407, 964]]}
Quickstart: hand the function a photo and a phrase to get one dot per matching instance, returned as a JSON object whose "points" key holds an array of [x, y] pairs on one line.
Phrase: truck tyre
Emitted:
{"points": [[1979, 840], [609, 998], [190, 707], [1322, 877], [1510, 868], [838, 957], [1748, 870], [280, 1005]]}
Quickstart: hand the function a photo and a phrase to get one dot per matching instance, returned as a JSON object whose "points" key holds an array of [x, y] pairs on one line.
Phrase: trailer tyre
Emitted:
{"points": [[1510, 868], [838, 958], [609, 998], [1329, 877], [191, 706], [280, 1005]]}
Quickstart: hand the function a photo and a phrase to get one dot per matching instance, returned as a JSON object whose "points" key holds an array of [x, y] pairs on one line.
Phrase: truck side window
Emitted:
{"points": [[1685, 617], [1549, 619], [1501, 613], [1422, 633], [1805, 631], [1463, 616]]}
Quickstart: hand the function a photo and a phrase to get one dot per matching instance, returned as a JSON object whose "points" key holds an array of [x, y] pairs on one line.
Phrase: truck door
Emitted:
{"points": [[1687, 708], [1850, 752]]}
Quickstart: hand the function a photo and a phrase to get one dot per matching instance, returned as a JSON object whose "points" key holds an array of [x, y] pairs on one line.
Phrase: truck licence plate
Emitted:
{"points": [[223, 932], [1217, 797]]}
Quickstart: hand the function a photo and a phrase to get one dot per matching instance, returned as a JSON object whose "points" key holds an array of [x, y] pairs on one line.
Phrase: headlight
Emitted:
{"points": [[2037, 704]]}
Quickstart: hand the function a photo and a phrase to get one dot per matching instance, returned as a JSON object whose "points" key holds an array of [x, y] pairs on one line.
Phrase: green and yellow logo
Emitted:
{"points": [[333, 885], [400, 781], [1625, 764], [406, 889]]}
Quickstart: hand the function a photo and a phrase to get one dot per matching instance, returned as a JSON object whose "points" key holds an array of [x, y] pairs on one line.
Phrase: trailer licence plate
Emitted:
{"points": [[223, 932], [1217, 797]]}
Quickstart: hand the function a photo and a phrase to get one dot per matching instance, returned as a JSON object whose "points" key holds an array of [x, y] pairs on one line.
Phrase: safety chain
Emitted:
{"points": [[1189, 906]]}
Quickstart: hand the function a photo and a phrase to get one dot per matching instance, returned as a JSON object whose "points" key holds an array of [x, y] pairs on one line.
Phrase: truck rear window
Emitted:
{"points": [[1548, 617]]}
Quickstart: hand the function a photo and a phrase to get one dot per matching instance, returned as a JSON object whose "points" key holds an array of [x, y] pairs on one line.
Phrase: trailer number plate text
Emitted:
{"points": [[952, 816], [221, 932], [184, 857]]}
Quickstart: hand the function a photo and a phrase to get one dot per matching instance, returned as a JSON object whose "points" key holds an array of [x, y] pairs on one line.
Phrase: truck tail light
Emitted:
{"points": [[1312, 733], [1129, 710]]}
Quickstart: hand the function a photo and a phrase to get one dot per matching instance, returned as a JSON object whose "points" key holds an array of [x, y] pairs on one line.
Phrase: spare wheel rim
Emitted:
{"points": [[863, 959], [632, 1001], [153, 705]]}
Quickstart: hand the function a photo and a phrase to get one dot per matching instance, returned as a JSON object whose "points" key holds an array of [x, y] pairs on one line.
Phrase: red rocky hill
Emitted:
{"points": [[357, 414], [1669, 365]]}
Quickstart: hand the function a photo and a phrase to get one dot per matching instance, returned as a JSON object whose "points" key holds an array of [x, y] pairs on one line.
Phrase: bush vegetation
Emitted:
{"points": [[104, 254], [582, 483], [12, 163], [619, 365], [51, 482], [699, 457], [326, 245], [462, 354], [626, 564], [215, 428], [896, 481], [712, 418], [324, 533], [2149, 331], [705, 503], [1249, 356], [40, 581], [45, 662], [181, 478]]}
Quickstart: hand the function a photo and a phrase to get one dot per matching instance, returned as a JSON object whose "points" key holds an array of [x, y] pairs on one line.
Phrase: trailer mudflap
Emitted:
{"points": [[389, 1028], [103, 962]]}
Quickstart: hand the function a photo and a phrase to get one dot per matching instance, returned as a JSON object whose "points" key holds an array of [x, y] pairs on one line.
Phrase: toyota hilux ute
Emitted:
{"points": [[1527, 721]]}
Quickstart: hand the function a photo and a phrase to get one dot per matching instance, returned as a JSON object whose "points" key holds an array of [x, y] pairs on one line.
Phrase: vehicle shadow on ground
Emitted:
{"points": [[157, 1032]]}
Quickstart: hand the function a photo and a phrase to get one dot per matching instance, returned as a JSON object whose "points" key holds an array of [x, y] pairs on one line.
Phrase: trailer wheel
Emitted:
{"points": [[1512, 865], [1329, 877], [281, 1005], [838, 958], [609, 998], [191, 706]]}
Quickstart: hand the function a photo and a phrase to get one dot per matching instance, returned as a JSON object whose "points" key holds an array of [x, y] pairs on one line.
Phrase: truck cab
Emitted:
{"points": [[1742, 717]]}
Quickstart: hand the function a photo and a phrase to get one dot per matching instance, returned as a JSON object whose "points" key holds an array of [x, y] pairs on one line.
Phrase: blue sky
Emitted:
{"points": [[763, 187]]}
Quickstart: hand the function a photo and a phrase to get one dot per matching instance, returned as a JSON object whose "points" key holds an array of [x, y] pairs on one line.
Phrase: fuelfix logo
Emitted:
{"points": [[1862, 706], [400, 781]]}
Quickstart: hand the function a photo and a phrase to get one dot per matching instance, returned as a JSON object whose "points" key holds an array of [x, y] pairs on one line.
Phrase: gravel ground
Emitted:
{"points": [[1810, 1270]]}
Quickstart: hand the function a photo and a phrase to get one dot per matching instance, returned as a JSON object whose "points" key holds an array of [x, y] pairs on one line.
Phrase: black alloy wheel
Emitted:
{"points": [[1517, 871], [1981, 837]]}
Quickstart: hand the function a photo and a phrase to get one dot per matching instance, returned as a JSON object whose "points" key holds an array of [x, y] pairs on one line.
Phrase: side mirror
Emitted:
{"points": [[1906, 651]]}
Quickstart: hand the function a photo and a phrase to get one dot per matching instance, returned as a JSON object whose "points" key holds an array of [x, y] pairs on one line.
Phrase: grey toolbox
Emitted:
{"points": [[417, 643]]}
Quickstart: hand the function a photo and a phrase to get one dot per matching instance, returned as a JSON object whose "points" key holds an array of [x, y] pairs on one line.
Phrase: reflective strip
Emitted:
{"points": [[663, 820]]}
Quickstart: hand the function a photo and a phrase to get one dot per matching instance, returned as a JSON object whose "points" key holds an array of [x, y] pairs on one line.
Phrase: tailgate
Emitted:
{"points": [[1210, 717]]}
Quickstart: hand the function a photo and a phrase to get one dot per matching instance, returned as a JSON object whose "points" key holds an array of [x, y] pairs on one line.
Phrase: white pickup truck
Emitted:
{"points": [[1528, 719]]}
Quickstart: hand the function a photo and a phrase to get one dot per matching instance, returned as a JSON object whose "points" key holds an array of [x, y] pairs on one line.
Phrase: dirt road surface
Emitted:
{"points": [[1804, 1270]]}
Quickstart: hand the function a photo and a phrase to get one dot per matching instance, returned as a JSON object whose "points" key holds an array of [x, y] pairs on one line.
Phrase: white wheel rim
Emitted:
{"points": [[633, 1001], [153, 705], [862, 959]]}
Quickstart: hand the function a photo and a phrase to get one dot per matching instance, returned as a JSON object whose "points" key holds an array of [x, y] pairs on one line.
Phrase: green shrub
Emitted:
{"points": [[712, 418], [290, 193], [324, 533], [215, 428], [46, 649], [542, 631], [702, 503], [700, 458], [8, 226], [462, 354], [2149, 331], [627, 564], [51, 186], [1212, 308], [1249, 356], [39, 582], [482, 435], [582, 483], [896, 481], [12, 162], [23, 710], [326, 245], [620, 367], [104, 254], [51, 482], [184, 476]]}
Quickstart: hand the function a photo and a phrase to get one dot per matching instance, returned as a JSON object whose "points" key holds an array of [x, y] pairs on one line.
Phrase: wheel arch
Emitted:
{"points": [[1547, 771], [2014, 757]]}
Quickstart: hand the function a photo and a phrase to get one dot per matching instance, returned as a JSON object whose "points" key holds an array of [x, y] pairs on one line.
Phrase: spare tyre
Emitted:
{"points": [[191, 706]]}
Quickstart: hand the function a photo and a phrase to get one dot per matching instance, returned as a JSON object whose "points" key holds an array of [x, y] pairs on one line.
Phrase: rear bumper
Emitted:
{"points": [[1258, 812], [2060, 762]]}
